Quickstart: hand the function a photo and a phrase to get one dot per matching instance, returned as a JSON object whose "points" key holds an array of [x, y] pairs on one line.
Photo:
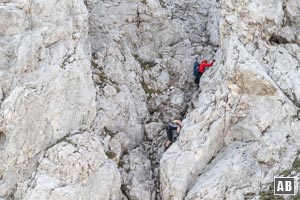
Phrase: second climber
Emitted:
{"points": [[172, 126], [201, 69]]}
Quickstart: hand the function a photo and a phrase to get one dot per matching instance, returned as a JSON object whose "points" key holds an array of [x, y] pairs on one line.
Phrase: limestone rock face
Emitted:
{"points": [[76, 168], [47, 93], [88, 87], [142, 53], [245, 127], [137, 176], [152, 129]]}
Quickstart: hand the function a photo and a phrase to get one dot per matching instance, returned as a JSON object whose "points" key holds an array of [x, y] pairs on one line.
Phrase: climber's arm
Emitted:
{"points": [[210, 64]]}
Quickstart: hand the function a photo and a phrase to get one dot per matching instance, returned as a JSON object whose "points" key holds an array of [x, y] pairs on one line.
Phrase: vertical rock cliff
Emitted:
{"points": [[48, 105], [87, 87], [245, 128]]}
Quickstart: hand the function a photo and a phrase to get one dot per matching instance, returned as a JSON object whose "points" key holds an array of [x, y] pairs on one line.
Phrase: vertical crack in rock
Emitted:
{"points": [[142, 58]]}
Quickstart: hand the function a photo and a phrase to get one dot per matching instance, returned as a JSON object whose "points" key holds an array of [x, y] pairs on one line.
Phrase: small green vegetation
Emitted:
{"points": [[285, 172], [269, 194], [104, 79], [111, 154], [101, 83], [102, 76], [296, 165], [149, 90], [2, 139], [249, 195], [296, 197], [118, 89], [146, 65], [144, 2], [109, 132], [121, 164], [94, 64], [112, 82], [162, 4]]}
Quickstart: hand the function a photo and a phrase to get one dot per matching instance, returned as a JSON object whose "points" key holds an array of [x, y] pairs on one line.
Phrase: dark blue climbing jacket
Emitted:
{"points": [[195, 71]]}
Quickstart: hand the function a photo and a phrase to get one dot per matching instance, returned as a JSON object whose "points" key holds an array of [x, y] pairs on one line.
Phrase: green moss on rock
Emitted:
{"points": [[146, 65], [269, 194], [109, 132], [162, 4], [111, 154], [296, 165], [94, 64]]}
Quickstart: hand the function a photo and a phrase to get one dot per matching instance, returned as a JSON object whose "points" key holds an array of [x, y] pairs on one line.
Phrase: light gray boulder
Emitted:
{"points": [[152, 129], [77, 168], [46, 86]]}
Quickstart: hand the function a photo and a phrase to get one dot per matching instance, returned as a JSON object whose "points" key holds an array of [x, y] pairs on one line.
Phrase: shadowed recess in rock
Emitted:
{"points": [[2, 140]]}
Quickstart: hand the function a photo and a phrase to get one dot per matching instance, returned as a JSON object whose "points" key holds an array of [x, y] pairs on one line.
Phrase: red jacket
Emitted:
{"points": [[201, 67]]}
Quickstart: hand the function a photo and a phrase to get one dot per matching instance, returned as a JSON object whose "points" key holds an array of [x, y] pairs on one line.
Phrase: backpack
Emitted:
{"points": [[195, 71]]}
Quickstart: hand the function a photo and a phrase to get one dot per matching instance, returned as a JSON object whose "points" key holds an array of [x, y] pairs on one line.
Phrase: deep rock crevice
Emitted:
{"points": [[275, 39], [165, 71]]}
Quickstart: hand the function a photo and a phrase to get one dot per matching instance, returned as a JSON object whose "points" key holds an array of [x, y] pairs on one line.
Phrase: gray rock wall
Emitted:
{"points": [[143, 53], [246, 125], [87, 87], [47, 94]]}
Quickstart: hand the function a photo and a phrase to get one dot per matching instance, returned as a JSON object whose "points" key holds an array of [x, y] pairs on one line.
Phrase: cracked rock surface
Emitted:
{"points": [[245, 127], [87, 88]]}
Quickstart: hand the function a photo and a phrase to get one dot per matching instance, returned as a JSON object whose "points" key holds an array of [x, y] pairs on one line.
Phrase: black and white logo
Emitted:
{"points": [[284, 185]]}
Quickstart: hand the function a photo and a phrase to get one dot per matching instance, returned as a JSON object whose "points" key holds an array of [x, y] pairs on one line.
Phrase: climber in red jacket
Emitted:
{"points": [[201, 69]]}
